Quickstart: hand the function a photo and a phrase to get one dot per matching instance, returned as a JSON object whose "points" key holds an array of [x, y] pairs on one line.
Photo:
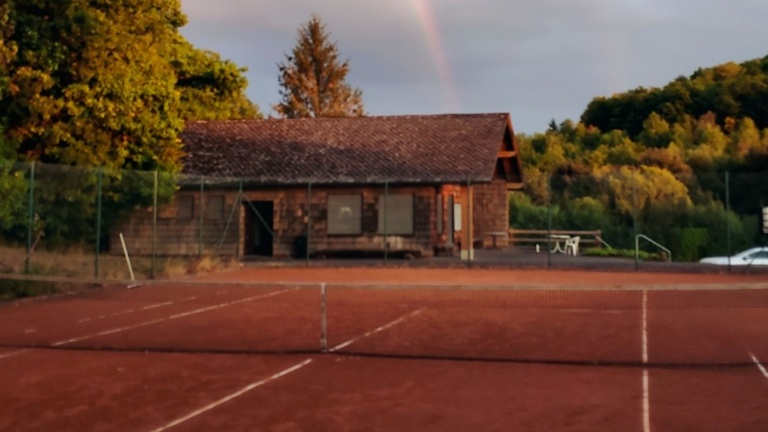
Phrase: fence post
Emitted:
{"points": [[634, 219], [30, 215], [386, 223], [549, 221], [727, 224], [202, 213], [470, 224], [154, 226], [309, 217], [239, 219], [98, 222]]}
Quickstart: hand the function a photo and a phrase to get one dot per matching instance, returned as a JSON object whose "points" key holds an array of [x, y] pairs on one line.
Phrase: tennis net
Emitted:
{"points": [[633, 326]]}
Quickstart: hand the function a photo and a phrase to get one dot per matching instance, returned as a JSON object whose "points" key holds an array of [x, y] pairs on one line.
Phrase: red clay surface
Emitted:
{"points": [[63, 390], [493, 276]]}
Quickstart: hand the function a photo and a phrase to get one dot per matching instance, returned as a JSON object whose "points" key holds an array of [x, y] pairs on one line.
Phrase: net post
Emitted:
{"points": [[323, 318]]}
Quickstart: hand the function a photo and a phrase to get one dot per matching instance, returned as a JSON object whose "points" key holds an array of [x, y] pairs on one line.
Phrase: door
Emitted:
{"points": [[259, 217]]}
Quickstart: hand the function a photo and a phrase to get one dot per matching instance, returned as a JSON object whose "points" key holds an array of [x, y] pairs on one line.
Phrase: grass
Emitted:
{"points": [[11, 289], [622, 253], [74, 262]]}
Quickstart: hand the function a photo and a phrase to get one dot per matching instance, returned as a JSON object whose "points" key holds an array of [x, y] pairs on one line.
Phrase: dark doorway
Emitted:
{"points": [[259, 217]]}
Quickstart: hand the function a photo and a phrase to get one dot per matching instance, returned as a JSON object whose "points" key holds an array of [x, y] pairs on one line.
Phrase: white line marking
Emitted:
{"points": [[155, 321], [645, 327], [157, 305], [759, 365], [598, 311], [128, 311], [12, 353], [233, 395], [646, 403], [379, 329], [646, 388]]}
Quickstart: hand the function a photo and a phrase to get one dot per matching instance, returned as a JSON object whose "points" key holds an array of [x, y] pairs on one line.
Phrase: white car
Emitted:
{"points": [[754, 256]]}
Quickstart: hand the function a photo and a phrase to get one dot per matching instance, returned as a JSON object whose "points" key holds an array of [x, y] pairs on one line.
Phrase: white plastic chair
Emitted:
{"points": [[572, 246]]}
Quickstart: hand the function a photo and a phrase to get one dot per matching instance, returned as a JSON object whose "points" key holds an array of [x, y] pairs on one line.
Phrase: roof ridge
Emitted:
{"points": [[383, 117]]}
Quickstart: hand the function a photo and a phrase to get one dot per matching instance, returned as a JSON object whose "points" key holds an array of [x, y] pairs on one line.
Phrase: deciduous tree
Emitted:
{"points": [[211, 88], [92, 83]]}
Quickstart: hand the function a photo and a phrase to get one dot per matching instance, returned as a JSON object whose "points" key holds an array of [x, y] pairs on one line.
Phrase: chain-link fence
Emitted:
{"points": [[77, 222], [647, 213]]}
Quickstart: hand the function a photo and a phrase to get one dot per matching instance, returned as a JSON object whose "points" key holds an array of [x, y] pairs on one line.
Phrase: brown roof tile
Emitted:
{"points": [[398, 149]]}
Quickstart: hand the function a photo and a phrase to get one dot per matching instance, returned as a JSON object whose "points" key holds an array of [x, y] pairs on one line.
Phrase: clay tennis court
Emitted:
{"points": [[393, 349]]}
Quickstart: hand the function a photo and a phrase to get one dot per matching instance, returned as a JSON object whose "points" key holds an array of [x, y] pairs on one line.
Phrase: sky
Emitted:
{"points": [[537, 60]]}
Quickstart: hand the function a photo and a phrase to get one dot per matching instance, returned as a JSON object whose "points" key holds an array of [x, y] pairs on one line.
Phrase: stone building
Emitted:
{"points": [[398, 185]]}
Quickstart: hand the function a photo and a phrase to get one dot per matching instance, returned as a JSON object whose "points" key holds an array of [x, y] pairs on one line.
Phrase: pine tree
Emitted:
{"points": [[313, 81]]}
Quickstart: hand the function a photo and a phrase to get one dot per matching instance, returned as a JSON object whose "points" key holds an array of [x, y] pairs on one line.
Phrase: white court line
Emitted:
{"points": [[12, 353], [646, 389], [233, 395], [192, 312], [128, 311], [590, 311], [372, 332], [759, 365], [157, 305]]}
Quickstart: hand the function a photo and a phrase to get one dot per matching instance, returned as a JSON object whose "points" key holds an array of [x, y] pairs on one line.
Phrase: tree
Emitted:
{"points": [[7, 53], [312, 79], [211, 88], [92, 83]]}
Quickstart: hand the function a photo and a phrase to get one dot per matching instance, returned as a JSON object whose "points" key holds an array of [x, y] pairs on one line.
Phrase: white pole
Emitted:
{"points": [[127, 258]]}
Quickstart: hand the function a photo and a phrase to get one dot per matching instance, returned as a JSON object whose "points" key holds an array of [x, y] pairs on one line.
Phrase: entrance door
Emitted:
{"points": [[259, 217]]}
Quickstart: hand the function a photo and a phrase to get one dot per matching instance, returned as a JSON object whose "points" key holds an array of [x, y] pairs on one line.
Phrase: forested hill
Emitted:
{"points": [[729, 90]]}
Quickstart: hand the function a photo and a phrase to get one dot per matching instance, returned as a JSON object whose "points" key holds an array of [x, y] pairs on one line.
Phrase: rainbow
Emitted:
{"points": [[429, 27]]}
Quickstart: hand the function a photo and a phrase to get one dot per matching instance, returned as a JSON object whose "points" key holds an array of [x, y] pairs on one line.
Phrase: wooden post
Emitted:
{"points": [[467, 248]]}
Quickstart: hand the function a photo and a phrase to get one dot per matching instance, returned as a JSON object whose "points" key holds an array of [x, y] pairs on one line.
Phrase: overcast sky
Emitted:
{"points": [[534, 59]]}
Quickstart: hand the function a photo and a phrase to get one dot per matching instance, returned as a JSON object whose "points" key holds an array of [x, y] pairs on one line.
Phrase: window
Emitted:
{"points": [[397, 212], [186, 207], [344, 216], [215, 209]]}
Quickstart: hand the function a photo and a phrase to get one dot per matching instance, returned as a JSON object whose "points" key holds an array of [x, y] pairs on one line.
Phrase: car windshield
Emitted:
{"points": [[759, 254]]}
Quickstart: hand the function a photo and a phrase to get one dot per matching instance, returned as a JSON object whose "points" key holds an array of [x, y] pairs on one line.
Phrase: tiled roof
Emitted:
{"points": [[398, 149]]}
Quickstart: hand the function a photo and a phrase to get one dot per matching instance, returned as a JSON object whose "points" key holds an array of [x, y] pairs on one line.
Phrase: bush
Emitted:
{"points": [[623, 253]]}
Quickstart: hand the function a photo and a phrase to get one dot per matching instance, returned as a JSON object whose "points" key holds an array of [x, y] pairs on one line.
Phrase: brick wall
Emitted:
{"points": [[182, 231], [490, 212]]}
